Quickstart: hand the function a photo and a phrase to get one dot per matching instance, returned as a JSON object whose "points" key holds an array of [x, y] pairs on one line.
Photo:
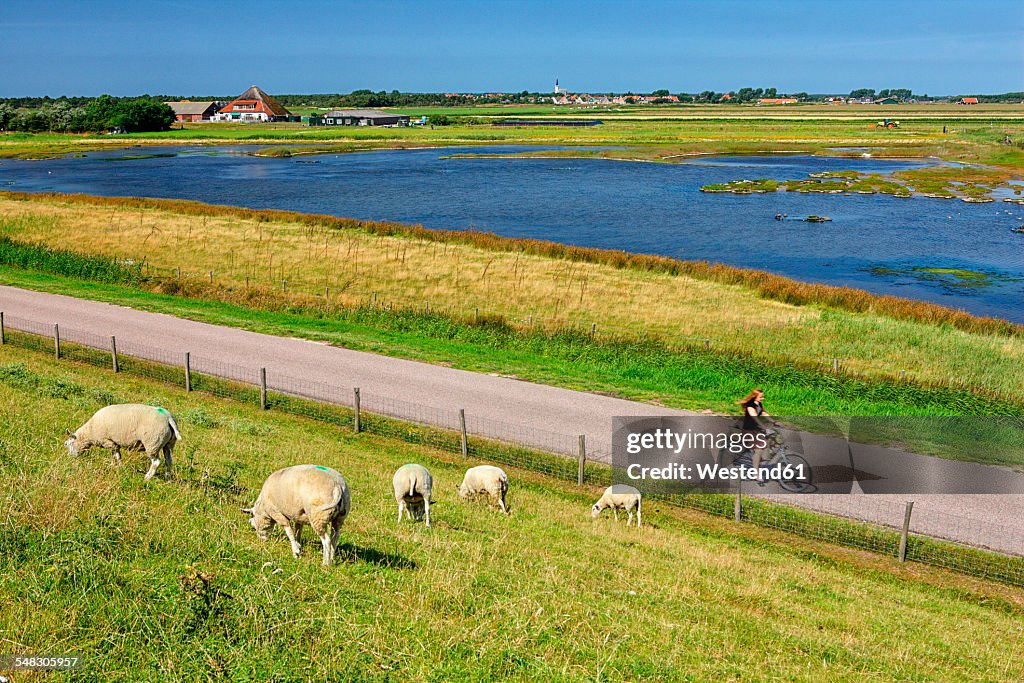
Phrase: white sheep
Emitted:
{"points": [[485, 479], [619, 497], [303, 494], [413, 486], [132, 426]]}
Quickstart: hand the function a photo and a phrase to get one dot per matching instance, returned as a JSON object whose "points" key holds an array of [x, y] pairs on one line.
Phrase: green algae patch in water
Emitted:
{"points": [[950, 279]]}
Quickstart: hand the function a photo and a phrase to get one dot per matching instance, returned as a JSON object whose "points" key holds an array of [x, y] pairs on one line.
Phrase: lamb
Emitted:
{"points": [[485, 479], [619, 497], [413, 485], [132, 426], [303, 494]]}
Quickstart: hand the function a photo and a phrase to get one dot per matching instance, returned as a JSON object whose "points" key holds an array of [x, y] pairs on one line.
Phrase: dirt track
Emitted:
{"points": [[539, 415]]}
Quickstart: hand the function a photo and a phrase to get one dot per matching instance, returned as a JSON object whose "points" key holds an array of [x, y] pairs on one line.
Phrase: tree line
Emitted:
{"points": [[88, 115]]}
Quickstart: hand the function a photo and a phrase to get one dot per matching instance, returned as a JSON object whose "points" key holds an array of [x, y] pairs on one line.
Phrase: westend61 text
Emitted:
{"points": [[703, 472], [667, 439]]}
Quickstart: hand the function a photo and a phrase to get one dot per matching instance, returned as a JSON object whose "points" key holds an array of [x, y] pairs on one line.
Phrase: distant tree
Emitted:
{"points": [[707, 96], [771, 92], [32, 121], [862, 92], [660, 93], [801, 96], [64, 117], [6, 114], [141, 116]]}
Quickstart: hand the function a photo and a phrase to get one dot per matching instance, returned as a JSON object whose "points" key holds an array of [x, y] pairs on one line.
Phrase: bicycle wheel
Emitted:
{"points": [[802, 480]]}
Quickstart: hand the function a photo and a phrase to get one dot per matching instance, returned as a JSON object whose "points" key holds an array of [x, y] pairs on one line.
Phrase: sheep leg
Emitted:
{"points": [[325, 540], [296, 548], [615, 511], [154, 459], [115, 456], [426, 511], [168, 450], [401, 507], [629, 521], [637, 516], [501, 503]]}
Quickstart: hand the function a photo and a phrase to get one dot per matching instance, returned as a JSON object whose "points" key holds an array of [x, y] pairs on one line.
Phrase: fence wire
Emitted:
{"points": [[935, 540]]}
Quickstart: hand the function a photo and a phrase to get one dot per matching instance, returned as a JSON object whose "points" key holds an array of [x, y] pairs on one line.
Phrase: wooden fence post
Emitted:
{"points": [[284, 285], [56, 340], [707, 344], [263, 388], [113, 353], [462, 428], [835, 365], [906, 530], [357, 423], [737, 507], [582, 460], [211, 277], [3, 340], [188, 372]]}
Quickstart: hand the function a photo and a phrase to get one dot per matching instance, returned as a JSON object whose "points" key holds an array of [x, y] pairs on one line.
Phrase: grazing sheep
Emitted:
{"points": [[131, 426], [303, 494], [619, 497], [485, 479], [413, 486]]}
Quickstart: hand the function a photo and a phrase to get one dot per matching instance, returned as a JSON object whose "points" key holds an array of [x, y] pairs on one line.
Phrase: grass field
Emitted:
{"points": [[529, 290], [167, 581], [971, 133]]}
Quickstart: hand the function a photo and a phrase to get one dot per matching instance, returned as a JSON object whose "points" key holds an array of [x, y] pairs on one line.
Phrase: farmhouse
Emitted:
{"points": [[187, 110], [967, 100], [254, 105], [887, 100], [359, 117]]}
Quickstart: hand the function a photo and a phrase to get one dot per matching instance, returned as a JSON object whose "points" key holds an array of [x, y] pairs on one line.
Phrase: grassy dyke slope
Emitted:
{"points": [[529, 285], [167, 581]]}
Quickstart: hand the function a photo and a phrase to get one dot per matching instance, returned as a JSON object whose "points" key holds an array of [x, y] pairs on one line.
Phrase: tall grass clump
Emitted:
{"points": [[46, 259]]}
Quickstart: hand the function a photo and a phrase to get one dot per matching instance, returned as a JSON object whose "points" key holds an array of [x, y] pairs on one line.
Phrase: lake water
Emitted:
{"points": [[873, 242]]}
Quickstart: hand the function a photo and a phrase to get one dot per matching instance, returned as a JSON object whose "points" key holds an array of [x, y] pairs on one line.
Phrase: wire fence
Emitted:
{"points": [[877, 524]]}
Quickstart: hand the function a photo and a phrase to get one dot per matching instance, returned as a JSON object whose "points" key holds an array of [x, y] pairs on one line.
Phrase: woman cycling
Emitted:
{"points": [[755, 425]]}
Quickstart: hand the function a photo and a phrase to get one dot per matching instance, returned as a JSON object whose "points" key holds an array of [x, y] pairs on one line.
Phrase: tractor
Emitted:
{"points": [[887, 123]]}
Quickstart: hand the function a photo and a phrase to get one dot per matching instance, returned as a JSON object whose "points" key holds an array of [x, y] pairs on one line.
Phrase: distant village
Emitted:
{"points": [[255, 105]]}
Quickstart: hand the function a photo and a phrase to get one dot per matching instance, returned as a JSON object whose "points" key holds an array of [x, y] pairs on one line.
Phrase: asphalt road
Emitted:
{"points": [[538, 415]]}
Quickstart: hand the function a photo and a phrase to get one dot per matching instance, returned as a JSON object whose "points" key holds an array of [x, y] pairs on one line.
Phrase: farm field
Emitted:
{"points": [[969, 134], [168, 582], [750, 325]]}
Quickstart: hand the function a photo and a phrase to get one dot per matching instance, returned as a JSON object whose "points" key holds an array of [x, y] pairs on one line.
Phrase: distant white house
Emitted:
{"points": [[253, 105]]}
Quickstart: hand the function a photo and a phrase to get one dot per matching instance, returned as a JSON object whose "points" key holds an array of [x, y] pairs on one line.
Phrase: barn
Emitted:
{"points": [[254, 105], [187, 110], [359, 117]]}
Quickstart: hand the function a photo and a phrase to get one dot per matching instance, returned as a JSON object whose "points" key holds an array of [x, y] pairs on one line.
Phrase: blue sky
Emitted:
{"points": [[88, 47]]}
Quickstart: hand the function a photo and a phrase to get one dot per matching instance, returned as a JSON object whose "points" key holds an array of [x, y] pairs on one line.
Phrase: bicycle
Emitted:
{"points": [[789, 470]]}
